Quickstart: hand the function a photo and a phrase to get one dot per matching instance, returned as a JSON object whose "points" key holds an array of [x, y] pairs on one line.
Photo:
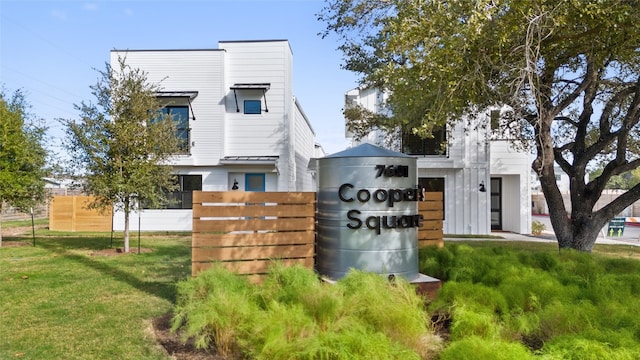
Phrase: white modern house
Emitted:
{"points": [[242, 128], [485, 182]]}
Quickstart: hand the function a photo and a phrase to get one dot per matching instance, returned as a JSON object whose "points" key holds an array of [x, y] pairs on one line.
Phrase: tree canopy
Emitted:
{"points": [[122, 144], [22, 155], [568, 71]]}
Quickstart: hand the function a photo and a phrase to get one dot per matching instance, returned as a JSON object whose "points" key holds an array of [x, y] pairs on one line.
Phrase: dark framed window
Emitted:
{"points": [[253, 107], [414, 145], [182, 198], [433, 184], [180, 116]]}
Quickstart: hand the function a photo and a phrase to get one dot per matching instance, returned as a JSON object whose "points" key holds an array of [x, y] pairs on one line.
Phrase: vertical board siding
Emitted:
{"points": [[70, 213], [246, 231], [430, 234]]}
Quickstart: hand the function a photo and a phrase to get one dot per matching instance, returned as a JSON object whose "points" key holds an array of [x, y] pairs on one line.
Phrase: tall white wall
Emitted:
{"points": [[268, 133]]}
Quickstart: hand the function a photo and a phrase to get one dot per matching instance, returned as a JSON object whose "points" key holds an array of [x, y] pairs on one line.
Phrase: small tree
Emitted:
{"points": [[22, 156], [122, 145]]}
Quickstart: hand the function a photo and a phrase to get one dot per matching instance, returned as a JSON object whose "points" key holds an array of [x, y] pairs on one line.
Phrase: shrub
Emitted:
{"points": [[537, 227], [213, 307], [576, 348], [469, 322], [292, 315], [478, 348], [394, 309]]}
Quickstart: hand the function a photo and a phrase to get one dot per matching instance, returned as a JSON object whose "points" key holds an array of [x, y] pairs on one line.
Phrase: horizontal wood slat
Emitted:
{"points": [[433, 196], [253, 238], [424, 234], [253, 197], [228, 225], [255, 210], [253, 253], [432, 214]]}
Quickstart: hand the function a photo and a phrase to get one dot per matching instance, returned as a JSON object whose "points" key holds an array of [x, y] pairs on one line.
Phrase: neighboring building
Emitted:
{"points": [[486, 184], [241, 126]]}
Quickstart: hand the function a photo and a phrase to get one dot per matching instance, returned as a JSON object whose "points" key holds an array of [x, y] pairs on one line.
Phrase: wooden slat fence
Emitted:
{"points": [[245, 231], [70, 213], [430, 234]]}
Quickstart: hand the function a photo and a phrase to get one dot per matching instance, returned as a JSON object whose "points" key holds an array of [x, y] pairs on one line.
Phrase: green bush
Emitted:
{"points": [[293, 315], [392, 308], [507, 293], [499, 301], [478, 348], [576, 348], [213, 307], [537, 227]]}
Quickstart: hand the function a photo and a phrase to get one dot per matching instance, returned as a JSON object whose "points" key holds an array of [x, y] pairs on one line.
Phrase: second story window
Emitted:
{"points": [[414, 145], [252, 107], [251, 95], [180, 116]]}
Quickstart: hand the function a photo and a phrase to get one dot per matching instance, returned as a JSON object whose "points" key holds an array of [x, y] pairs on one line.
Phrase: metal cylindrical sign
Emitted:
{"points": [[367, 213]]}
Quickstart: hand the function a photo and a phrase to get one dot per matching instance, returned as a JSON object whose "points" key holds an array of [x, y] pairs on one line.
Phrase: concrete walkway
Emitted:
{"points": [[546, 236]]}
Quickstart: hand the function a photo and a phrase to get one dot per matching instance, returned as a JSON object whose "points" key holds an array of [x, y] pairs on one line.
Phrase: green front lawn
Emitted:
{"points": [[59, 300]]}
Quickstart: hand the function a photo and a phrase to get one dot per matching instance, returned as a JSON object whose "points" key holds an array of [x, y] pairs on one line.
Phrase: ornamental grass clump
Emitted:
{"points": [[479, 348], [556, 305], [292, 314], [212, 309], [393, 308]]}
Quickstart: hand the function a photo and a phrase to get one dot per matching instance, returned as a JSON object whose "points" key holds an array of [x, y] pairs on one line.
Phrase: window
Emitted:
{"points": [[414, 145], [252, 107], [182, 198], [180, 116], [495, 119]]}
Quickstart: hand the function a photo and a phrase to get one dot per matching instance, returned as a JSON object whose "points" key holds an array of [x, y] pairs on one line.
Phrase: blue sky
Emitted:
{"points": [[53, 49]]}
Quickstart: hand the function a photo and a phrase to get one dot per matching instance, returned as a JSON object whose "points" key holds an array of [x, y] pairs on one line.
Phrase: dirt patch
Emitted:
{"points": [[175, 347], [20, 230], [119, 251], [16, 243]]}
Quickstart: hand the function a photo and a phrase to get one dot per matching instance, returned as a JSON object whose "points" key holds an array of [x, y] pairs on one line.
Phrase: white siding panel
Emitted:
{"points": [[198, 70], [156, 220], [304, 147]]}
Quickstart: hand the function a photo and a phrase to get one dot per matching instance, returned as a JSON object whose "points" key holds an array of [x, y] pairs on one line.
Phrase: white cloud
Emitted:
{"points": [[90, 6], [59, 14]]}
